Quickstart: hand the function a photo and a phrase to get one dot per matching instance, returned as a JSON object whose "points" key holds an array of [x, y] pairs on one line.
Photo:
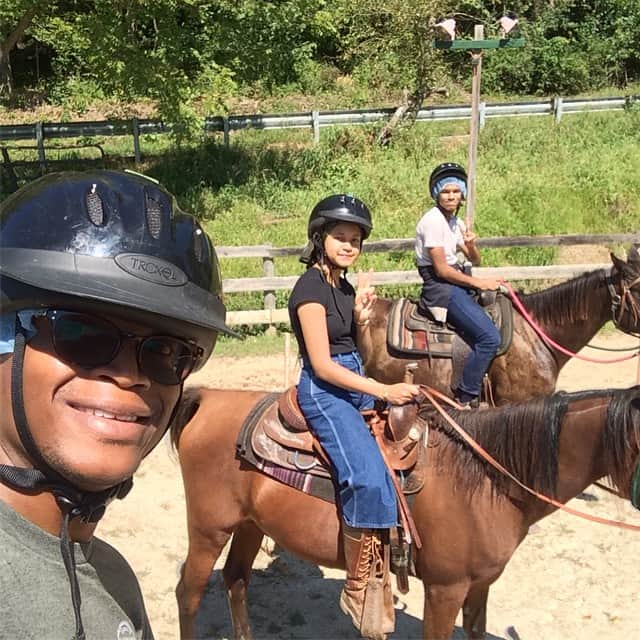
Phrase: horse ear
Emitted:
{"points": [[619, 263], [633, 255]]}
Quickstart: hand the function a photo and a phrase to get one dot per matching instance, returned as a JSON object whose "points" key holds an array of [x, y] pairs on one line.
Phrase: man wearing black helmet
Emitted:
{"points": [[110, 298], [446, 288], [324, 311]]}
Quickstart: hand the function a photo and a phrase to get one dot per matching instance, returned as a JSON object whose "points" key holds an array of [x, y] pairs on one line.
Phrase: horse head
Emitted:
{"points": [[622, 443], [624, 287]]}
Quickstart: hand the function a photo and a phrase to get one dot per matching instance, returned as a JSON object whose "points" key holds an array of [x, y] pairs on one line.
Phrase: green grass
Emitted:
{"points": [[261, 343], [535, 177]]}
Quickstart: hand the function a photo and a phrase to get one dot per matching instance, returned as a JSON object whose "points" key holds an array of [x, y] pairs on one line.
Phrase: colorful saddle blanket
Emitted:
{"points": [[412, 335], [275, 439]]}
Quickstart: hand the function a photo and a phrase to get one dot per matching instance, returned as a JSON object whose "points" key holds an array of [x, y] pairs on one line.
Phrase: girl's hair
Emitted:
{"points": [[317, 240]]}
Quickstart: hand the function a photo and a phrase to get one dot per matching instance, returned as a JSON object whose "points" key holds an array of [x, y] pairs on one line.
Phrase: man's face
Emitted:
{"points": [[91, 425]]}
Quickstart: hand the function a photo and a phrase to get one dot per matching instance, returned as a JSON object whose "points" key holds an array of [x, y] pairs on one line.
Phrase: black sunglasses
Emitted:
{"points": [[88, 342]]}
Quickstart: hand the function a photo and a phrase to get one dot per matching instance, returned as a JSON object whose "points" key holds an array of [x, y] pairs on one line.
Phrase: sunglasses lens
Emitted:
{"points": [[89, 342], [166, 360], [84, 340]]}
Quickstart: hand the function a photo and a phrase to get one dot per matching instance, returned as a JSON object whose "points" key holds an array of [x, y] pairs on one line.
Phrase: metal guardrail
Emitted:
{"points": [[314, 119], [41, 131]]}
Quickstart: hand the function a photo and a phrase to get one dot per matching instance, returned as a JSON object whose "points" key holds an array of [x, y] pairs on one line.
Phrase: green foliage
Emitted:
{"points": [[191, 57], [389, 44], [572, 46], [269, 43]]}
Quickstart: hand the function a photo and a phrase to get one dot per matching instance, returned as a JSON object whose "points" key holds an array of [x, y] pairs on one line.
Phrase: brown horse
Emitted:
{"points": [[570, 313], [557, 445]]}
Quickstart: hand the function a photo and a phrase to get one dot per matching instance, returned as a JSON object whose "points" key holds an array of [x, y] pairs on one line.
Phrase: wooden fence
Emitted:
{"points": [[269, 283]]}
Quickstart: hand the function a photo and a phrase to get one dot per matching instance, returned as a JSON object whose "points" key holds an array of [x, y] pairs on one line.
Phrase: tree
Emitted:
{"points": [[16, 16]]}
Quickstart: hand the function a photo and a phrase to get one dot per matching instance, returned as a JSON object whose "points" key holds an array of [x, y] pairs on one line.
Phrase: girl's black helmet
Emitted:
{"points": [[340, 208], [112, 242], [447, 170]]}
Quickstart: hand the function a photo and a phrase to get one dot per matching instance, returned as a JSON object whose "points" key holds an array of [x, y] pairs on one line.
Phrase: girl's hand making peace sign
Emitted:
{"points": [[365, 297]]}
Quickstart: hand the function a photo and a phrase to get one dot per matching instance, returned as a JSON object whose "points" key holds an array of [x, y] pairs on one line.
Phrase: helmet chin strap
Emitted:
{"points": [[73, 502]]}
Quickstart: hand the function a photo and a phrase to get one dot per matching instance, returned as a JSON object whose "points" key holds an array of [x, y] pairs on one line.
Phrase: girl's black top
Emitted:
{"points": [[338, 303]]}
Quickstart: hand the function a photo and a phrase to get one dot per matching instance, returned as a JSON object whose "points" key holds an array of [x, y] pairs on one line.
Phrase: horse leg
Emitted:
{"points": [[236, 573], [194, 577], [474, 612], [441, 606]]}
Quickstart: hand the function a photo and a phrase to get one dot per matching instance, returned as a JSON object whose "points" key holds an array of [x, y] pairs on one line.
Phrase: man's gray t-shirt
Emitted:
{"points": [[35, 595]]}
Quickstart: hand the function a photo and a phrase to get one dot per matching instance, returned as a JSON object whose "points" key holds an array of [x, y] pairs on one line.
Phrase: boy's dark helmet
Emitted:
{"points": [[110, 242], [340, 208], [447, 170]]}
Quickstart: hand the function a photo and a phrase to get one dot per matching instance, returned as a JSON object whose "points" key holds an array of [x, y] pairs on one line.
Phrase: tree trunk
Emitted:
{"points": [[385, 135], [6, 77]]}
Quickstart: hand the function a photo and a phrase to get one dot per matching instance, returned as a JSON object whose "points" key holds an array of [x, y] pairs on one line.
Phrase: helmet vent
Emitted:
{"points": [[154, 216], [94, 207]]}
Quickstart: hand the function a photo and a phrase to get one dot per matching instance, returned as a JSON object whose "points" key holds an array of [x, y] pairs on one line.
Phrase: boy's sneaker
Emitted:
{"points": [[467, 405]]}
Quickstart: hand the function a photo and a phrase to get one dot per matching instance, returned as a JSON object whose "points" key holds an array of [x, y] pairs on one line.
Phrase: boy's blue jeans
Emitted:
{"points": [[366, 491], [478, 331]]}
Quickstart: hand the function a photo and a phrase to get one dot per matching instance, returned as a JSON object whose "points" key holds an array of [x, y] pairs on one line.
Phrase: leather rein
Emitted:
{"points": [[434, 396]]}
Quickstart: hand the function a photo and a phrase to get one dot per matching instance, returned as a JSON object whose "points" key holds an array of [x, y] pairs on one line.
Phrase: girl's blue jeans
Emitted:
{"points": [[478, 331], [366, 492]]}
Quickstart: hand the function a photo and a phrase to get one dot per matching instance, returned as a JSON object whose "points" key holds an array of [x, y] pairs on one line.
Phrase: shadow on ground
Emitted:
{"points": [[292, 599]]}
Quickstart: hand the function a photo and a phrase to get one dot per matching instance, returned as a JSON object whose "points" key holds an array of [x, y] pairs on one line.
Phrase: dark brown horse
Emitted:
{"points": [[570, 313], [557, 445]]}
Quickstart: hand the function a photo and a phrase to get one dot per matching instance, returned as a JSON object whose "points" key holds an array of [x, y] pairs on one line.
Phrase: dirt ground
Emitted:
{"points": [[569, 580]]}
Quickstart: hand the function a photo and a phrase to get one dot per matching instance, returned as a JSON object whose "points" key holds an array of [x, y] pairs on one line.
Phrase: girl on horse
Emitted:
{"points": [[447, 291], [325, 312]]}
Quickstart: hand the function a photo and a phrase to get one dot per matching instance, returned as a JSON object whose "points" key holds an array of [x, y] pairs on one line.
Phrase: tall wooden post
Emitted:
{"points": [[268, 271], [476, 61], [476, 46]]}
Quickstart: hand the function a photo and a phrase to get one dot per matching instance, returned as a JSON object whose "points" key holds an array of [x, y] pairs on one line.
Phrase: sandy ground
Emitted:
{"points": [[570, 579]]}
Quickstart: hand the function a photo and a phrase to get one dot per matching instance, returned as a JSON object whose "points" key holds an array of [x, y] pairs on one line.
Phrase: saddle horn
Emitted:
{"points": [[409, 371]]}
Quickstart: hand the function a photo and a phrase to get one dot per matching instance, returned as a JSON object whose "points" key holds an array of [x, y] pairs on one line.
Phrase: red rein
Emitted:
{"points": [[536, 327]]}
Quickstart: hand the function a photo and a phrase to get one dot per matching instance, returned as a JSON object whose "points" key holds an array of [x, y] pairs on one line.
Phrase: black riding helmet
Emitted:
{"points": [[329, 211], [340, 208], [446, 170], [113, 242]]}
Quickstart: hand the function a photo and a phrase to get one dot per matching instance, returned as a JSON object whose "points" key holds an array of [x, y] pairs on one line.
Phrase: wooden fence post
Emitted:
{"points": [[40, 142], [476, 64], [268, 271], [135, 126]]}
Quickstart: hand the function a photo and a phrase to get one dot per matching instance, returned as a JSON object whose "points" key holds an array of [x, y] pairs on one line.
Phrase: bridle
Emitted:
{"points": [[623, 302]]}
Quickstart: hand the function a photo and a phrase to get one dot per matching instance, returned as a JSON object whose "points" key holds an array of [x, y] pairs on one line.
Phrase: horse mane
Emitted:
{"points": [[524, 437], [186, 409], [567, 302], [621, 437]]}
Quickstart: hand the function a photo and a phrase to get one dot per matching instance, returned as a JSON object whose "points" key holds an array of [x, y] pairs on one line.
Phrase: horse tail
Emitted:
{"points": [[187, 407]]}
